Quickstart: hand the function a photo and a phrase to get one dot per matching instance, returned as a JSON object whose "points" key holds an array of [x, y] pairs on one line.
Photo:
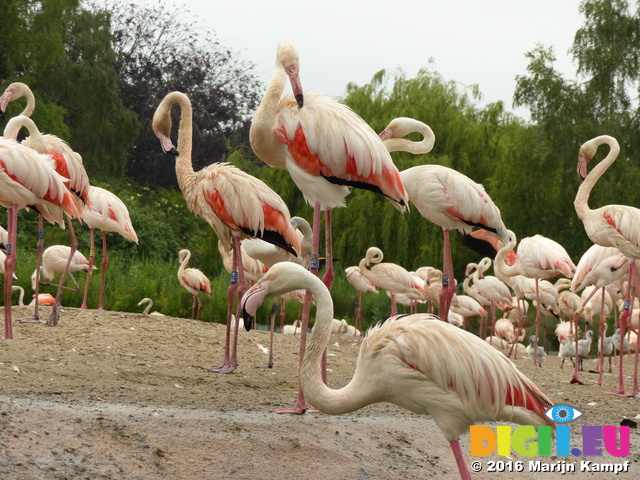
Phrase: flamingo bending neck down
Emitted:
{"points": [[193, 280], [235, 204], [403, 362], [610, 226]]}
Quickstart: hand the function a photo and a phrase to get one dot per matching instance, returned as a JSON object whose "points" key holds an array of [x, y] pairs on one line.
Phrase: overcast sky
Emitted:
{"points": [[470, 41]]}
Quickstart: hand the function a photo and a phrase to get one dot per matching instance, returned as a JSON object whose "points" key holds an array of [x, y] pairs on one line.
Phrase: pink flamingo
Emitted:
{"points": [[28, 180], [454, 202], [13, 92], [610, 226], [55, 259], [389, 276], [193, 280], [467, 306], [403, 362], [361, 284], [235, 204], [69, 165], [537, 257], [325, 146], [494, 290], [107, 213], [443, 196]]}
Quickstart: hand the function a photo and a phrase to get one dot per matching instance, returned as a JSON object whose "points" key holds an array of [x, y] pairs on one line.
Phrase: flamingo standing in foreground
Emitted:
{"points": [[415, 361], [69, 165], [193, 280], [109, 214], [28, 180], [235, 204], [610, 226], [361, 284]]}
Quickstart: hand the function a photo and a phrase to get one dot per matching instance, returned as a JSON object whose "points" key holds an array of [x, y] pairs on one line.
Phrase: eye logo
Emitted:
{"points": [[562, 413]]}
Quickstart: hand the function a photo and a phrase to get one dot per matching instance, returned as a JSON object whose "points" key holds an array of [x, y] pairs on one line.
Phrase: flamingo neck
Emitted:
{"points": [[416, 148], [184, 167], [581, 202], [261, 134], [500, 264], [330, 401]]}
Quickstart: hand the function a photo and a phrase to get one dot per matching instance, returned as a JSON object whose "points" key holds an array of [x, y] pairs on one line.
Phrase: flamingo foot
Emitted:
{"points": [[619, 393], [270, 365], [576, 379], [225, 368], [31, 320], [292, 411], [52, 321]]}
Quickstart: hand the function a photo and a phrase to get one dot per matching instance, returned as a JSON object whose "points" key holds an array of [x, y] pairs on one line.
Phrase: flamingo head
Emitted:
{"points": [[287, 57]]}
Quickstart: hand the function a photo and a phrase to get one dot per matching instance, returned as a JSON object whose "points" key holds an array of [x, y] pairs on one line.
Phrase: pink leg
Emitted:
{"points": [[55, 315], [576, 375], [623, 323], [36, 315], [328, 276], [9, 267], [358, 314], [92, 260], [448, 280], [535, 350], [301, 404], [462, 466], [103, 273], [635, 390], [283, 314]]}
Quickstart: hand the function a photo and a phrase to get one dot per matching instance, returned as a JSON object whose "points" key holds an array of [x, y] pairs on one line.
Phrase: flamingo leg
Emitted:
{"points": [[622, 324], [52, 321], [301, 404], [358, 314], [576, 375], [635, 389], [328, 276], [103, 274], [92, 260], [272, 328], [462, 466], [282, 314], [9, 267], [448, 280], [36, 315], [521, 324]]}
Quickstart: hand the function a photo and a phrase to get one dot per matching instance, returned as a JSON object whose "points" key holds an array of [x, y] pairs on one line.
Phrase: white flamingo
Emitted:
{"points": [[403, 362]]}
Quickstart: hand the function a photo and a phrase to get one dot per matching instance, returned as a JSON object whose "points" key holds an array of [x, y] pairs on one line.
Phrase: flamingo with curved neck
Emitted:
{"points": [[610, 226], [235, 204], [18, 90], [414, 361]]}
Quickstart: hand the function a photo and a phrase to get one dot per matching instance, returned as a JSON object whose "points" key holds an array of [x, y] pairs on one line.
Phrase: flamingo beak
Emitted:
{"points": [[251, 300]]}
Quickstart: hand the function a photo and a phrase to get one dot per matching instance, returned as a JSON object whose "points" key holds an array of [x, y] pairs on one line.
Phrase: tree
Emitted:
{"points": [[66, 58], [160, 49]]}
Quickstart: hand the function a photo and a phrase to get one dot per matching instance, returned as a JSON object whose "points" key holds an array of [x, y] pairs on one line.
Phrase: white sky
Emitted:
{"points": [[471, 41]]}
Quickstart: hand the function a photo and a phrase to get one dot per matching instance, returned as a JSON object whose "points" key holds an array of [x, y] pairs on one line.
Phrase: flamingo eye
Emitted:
{"points": [[563, 413]]}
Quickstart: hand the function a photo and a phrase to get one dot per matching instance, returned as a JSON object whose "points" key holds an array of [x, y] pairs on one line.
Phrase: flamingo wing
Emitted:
{"points": [[328, 139]]}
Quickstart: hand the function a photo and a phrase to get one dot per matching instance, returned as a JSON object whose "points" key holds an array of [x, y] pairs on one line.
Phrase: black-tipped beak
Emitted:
{"points": [[248, 320], [300, 100], [173, 152]]}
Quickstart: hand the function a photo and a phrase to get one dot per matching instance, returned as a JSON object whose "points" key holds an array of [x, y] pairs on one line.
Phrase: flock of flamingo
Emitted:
{"points": [[425, 363]]}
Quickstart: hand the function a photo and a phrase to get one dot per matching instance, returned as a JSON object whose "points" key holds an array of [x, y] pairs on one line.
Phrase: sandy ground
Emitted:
{"points": [[109, 395]]}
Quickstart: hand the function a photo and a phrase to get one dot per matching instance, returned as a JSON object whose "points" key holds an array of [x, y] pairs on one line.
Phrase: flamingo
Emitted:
{"points": [[235, 204], [494, 290], [69, 165], [598, 268], [148, 305], [55, 259], [361, 284], [454, 202], [610, 226], [403, 362], [13, 92], [389, 276], [28, 180], [537, 257], [324, 145], [109, 214], [467, 307], [193, 280]]}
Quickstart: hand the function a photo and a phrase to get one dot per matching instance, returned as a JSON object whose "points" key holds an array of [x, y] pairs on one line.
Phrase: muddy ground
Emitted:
{"points": [[110, 395]]}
